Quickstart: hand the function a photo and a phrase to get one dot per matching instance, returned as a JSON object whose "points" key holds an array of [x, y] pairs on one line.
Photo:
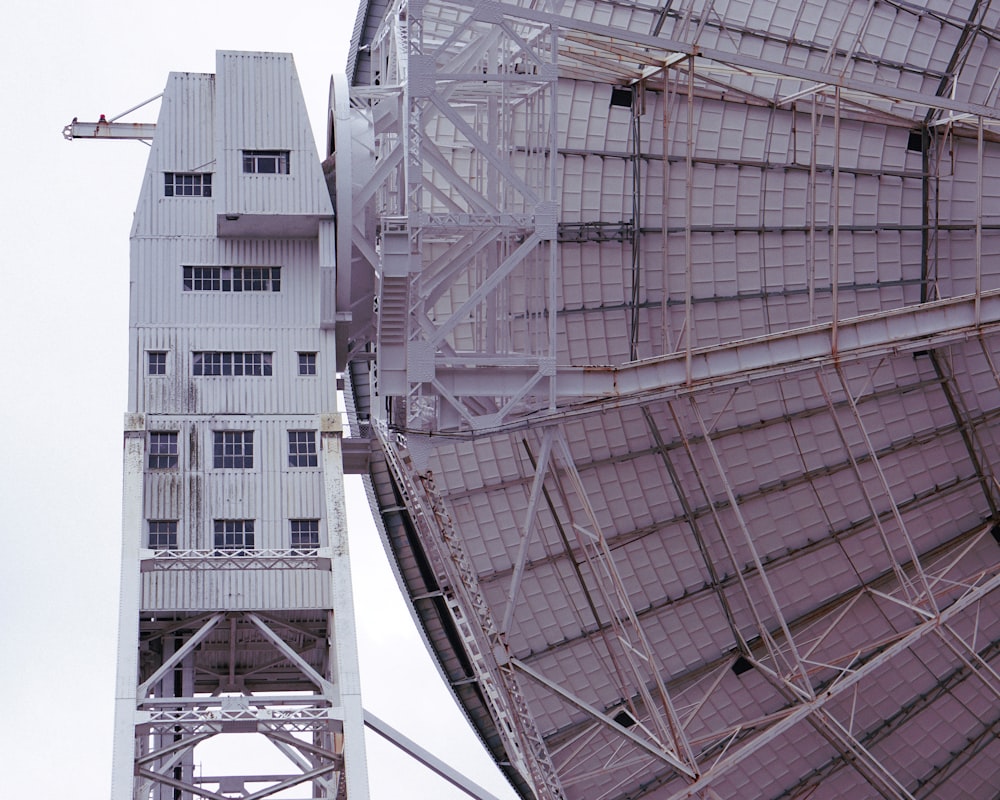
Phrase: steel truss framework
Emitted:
{"points": [[305, 725], [477, 107], [287, 676], [622, 696]]}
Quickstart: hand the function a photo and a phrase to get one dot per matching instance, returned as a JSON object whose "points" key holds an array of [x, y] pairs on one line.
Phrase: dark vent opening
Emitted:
{"points": [[741, 665], [621, 97], [624, 719]]}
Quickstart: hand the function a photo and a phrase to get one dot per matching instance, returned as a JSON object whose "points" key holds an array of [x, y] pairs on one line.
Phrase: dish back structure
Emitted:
{"points": [[676, 324]]}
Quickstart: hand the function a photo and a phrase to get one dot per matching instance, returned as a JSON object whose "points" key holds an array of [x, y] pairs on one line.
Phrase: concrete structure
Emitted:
{"points": [[236, 611]]}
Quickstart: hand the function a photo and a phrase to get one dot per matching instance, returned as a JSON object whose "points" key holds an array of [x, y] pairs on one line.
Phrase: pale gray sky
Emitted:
{"points": [[66, 209]]}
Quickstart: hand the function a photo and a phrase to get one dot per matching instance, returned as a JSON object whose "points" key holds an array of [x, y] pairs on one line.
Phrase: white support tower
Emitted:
{"points": [[236, 611]]}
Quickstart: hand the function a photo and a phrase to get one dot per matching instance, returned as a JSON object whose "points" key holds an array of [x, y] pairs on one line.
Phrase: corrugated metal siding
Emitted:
{"points": [[184, 142], [160, 298], [235, 590], [179, 391], [167, 318], [271, 493], [201, 131], [250, 82]]}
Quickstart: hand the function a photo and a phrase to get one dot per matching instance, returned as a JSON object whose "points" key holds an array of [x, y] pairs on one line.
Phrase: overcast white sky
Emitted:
{"points": [[66, 209]]}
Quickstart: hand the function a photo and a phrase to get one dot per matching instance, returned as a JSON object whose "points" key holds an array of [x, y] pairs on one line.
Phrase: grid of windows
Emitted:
{"points": [[162, 450], [156, 362], [233, 450], [307, 363], [162, 534], [228, 363], [233, 536], [305, 534], [232, 279], [265, 162], [302, 449], [187, 184]]}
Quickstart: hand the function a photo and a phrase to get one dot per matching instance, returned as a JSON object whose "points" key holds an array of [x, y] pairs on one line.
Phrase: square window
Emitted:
{"points": [[233, 537], [233, 450], [207, 363], [307, 363], [162, 450], [256, 279], [302, 449], [305, 534], [162, 534], [156, 362], [202, 279]]}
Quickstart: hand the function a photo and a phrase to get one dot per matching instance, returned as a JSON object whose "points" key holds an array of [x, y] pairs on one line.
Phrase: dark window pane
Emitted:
{"points": [[265, 162], [162, 534], [307, 363], [162, 450], [304, 534], [232, 450], [156, 362]]}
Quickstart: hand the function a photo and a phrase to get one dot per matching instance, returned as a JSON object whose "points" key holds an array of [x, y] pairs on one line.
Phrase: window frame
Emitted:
{"points": [[232, 363], [308, 363], [230, 279], [297, 528], [232, 449], [170, 532], [253, 160], [156, 362], [237, 547], [191, 184], [301, 448], [158, 458]]}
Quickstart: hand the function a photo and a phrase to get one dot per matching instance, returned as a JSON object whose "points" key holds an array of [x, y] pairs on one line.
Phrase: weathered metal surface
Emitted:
{"points": [[775, 374], [102, 129], [233, 529]]}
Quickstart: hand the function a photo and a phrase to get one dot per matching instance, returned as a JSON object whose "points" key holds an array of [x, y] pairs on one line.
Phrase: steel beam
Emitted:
{"points": [[838, 687], [126, 691], [913, 596], [801, 687], [583, 391], [473, 621], [340, 619], [178, 655], [650, 748], [436, 765], [645, 671], [103, 129], [541, 469], [662, 47]]}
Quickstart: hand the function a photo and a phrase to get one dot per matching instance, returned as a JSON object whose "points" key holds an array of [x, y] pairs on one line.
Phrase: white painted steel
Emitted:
{"points": [[103, 129], [722, 474], [406, 744], [341, 615], [247, 82], [231, 637], [128, 608]]}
